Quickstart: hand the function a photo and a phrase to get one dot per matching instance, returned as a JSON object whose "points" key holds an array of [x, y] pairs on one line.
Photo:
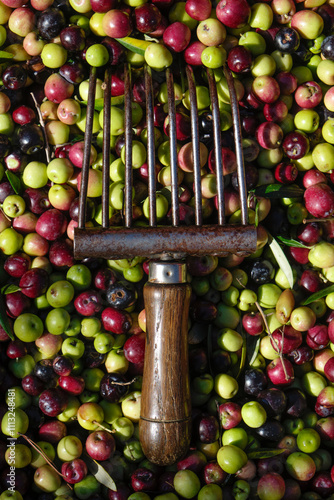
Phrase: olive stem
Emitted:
{"points": [[46, 458], [103, 427], [124, 383], [328, 219]]}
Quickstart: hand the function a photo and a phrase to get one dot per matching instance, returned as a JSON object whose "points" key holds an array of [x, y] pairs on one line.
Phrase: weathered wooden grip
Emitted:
{"points": [[164, 427]]}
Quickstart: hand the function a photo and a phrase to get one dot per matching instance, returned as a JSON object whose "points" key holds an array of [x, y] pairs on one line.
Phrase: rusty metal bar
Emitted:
{"points": [[164, 241], [173, 148], [150, 147], [195, 146], [217, 146], [238, 145], [87, 146], [106, 149], [128, 148]]}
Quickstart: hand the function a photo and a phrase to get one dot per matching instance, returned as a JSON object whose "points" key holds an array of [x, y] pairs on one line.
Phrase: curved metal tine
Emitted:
{"points": [[87, 146], [238, 145], [217, 146], [195, 146], [173, 148], [106, 149], [128, 147], [150, 147]]}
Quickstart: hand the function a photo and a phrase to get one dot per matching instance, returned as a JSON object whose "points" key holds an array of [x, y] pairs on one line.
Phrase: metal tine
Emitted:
{"points": [[87, 146], [128, 148], [106, 149], [195, 146], [238, 146], [150, 147], [173, 147], [217, 146]]}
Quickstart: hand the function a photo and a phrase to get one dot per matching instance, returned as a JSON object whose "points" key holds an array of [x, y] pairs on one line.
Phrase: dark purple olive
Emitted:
{"points": [[255, 381], [271, 430], [296, 402]]}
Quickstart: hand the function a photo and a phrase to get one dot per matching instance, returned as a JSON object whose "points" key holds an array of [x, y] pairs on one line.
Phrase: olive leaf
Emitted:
{"points": [[14, 181], [99, 472], [10, 289], [64, 491], [243, 356], [134, 44], [278, 191], [281, 259], [253, 346], [6, 55], [116, 100], [227, 479], [76, 138], [4, 321], [264, 453], [292, 243], [318, 295]]}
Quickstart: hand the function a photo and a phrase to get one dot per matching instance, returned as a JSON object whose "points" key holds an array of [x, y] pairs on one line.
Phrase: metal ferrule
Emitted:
{"points": [[167, 272]]}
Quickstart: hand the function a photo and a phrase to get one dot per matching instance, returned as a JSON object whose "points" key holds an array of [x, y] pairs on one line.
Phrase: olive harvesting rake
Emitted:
{"points": [[165, 421]]}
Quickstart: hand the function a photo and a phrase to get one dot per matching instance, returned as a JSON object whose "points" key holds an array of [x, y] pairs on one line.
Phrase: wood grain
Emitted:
{"points": [[164, 427]]}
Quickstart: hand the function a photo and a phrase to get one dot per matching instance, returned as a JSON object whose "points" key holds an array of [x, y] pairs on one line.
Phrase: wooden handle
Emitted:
{"points": [[164, 427]]}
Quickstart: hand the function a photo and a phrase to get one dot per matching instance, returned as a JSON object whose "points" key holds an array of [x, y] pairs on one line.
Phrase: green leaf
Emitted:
{"points": [[227, 479], [253, 346], [4, 321], [98, 104], [257, 206], [76, 138], [281, 259], [264, 453], [6, 55], [278, 191], [99, 472], [318, 295], [134, 44], [292, 243], [116, 100], [14, 181], [10, 289], [243, 356]]}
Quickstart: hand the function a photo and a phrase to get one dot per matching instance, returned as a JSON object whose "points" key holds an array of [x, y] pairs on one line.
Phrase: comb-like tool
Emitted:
{"points": [[165, 423]]}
